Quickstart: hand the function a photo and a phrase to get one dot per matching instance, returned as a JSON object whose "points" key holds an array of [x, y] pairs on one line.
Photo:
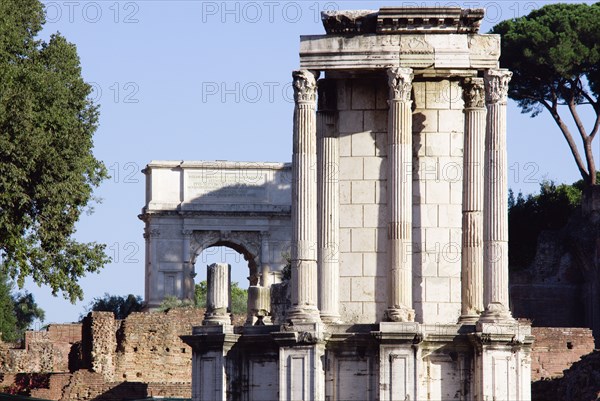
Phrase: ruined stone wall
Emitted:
{"points": [[87, 386], [150, 350], [561, 286], [100, 343], [43, 351], [109, 359], [556, 349]]}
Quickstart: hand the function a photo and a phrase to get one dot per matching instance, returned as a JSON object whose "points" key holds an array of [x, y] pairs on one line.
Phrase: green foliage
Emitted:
{"points": [[550, 47], [172, 302], [554, 53], [17, 311], [239, 300], [528, 216], [26, 311], [121, 306], [239, 297], [8, 319], [200, 291], [47, 169]]}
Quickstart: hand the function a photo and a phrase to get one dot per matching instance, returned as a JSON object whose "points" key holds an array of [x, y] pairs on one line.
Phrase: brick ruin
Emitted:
{"points": [[106, 359]]}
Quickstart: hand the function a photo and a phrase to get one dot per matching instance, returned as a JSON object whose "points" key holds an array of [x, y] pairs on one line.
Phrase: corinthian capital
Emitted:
{"points": [[305, 85], [473, 93], [496, 88], [400, 82]]}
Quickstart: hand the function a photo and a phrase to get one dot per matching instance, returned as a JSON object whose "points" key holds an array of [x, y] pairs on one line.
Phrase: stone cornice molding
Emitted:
{"points": [[152, 233], [496, 85], [400, 82], [473, 93], [305, 86], [390, 20]]}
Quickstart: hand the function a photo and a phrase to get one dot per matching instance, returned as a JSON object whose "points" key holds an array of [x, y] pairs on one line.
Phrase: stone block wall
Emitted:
{"points": [[438, 124], [556, 349], [362, 127]]}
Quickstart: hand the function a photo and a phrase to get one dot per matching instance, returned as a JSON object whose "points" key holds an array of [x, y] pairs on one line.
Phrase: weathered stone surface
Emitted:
{"points": [[386, 225], [192, 206]]}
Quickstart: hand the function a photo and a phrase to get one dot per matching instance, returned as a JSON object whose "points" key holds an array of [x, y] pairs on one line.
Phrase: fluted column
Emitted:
{"points": [[400, 195], [495, 236], [328, 203], [217, 295], [304, 200], [472, 201]]}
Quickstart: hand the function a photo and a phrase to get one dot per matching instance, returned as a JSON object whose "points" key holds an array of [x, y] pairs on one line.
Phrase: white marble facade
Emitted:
{"points": [[192, 206], [398, 239]]}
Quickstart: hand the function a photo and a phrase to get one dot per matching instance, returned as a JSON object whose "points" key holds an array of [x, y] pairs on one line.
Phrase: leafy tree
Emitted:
{"points": [[17, 311], [528, 216], [554, 53], [8, 319], [26, 311], [47, 169], [239, 297], [121, 306]]}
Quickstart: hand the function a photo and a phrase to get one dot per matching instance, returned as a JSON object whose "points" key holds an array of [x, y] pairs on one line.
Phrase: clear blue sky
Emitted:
{"points": [[192, 80]]}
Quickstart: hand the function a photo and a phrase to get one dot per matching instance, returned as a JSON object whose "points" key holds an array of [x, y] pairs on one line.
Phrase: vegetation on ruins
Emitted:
{"points": [[121, 306], [239, 297], [172, 302], [47, 169], [550, 209], [17, 311], [554, 53]]}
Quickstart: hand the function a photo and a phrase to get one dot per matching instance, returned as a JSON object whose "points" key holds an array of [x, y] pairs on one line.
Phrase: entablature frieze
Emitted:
{"points": [[417, 51], [147, 216]]}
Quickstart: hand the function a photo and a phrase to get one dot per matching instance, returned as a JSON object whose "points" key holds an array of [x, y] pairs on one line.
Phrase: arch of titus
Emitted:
{"points": [[398, 237]]}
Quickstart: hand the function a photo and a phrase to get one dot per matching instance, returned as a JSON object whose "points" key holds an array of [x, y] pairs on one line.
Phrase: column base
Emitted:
{"points": [[303, 315], [401, 314], [331, 318], [468, 318], [496, 313], [217, 320]]}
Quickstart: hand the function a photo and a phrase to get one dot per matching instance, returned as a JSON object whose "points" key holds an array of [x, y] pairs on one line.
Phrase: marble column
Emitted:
{"points": [[400, 195], [328, 160], [472, 200], [304, 205], [495, 232], [187, 266], [259, 296], [154, 298], [265, 260], [218, 295]]}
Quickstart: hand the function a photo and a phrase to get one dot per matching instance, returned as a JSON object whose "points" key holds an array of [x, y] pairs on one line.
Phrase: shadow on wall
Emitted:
{"points": [[193, 206], [561, 287], [580, 382], [246, 213], [125, 391]]}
